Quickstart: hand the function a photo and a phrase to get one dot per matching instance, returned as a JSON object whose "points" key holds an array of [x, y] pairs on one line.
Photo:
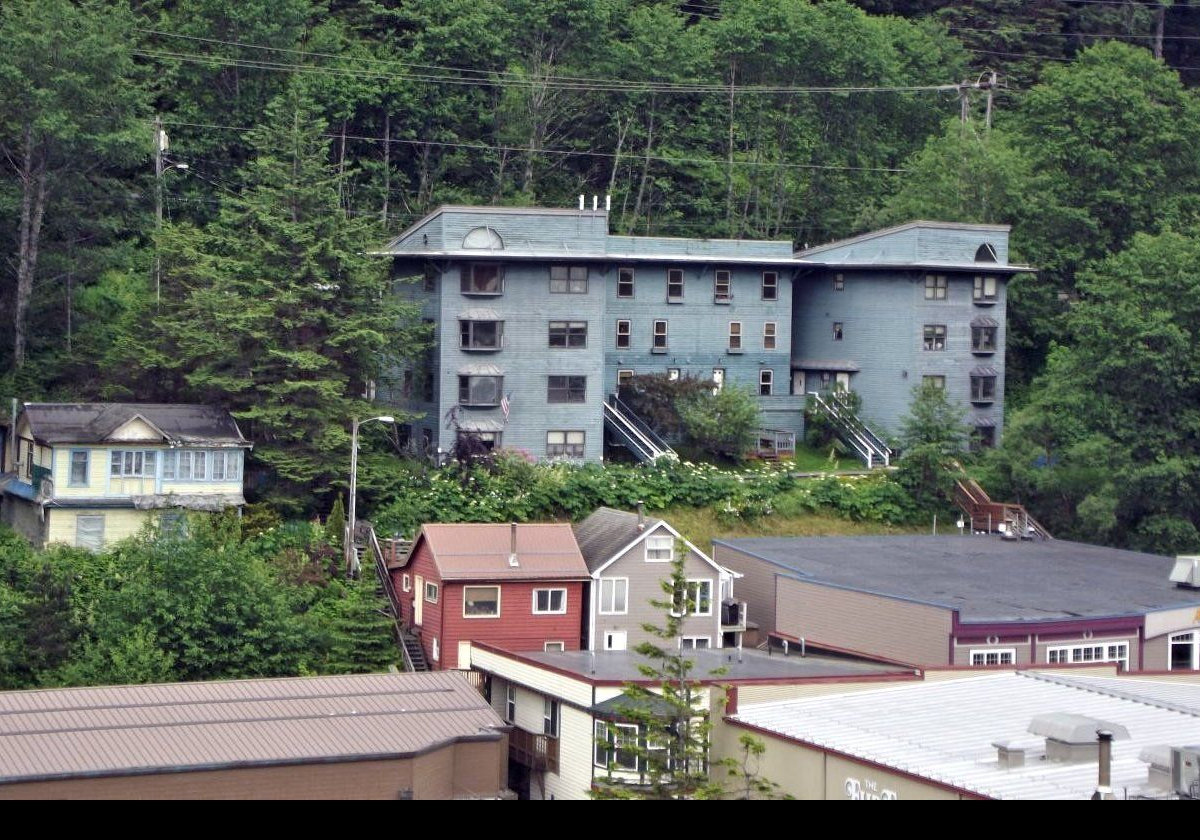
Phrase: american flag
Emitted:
{"points": [[505, 405]]}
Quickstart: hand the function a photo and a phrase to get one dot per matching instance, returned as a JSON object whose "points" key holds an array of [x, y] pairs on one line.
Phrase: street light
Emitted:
{"points": [[348, 539]]}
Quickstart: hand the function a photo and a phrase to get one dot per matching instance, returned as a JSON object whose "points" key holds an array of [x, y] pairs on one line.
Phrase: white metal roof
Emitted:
{"points": [[945, 731]]}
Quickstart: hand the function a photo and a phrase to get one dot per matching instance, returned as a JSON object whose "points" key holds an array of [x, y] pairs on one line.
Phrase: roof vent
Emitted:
{"points": [[1072, 738], [1186, 573], [512, 546], [641, 509]]}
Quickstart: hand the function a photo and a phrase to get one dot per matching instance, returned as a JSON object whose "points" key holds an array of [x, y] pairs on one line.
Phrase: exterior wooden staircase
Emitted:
{"points": [[984, 515], [851, 430], [367, 542]]}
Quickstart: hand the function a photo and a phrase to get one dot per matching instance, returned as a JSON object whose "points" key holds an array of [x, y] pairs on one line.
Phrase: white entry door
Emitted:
{"points": [[418, 599], [843, 381], [718, 379], [798, 382], [614, 639]]}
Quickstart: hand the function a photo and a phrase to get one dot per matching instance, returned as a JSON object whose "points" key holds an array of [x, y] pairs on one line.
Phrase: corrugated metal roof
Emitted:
{"points": [[130, 729], [54, 423], [605, 532], [945, 731], [476, 551]]}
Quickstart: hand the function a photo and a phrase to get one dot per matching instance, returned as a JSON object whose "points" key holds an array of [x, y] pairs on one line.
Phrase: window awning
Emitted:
{"points": [[480, 369], [825, 364], [480, 314], [984, 321], [482, 424], [983, 422], [984, 370]]}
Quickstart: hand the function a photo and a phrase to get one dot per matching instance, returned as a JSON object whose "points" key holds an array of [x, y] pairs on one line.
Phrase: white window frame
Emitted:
{"points": [[510, 702], [612, 584], [551, 717], [624, 334], [1073, 654], [773, 285], [133, 463], [550, 601], [553, 647], [681, 282], [984, 282], [654, 544], [735, 337], [405, 583], [613, 635], [601, 732], [1178, 638], [690, 642], [983, 653], [770, 335], [660, 333], [430, 586], [87, 468], [766, 382], [722, 286], [626, 275], [694, 599], [623, 374], [566, 443], [466, 589], [937, 287], [437, 650]]}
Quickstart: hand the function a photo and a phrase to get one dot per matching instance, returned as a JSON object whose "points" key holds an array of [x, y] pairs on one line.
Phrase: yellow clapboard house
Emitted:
{"points": [[90, 474]]}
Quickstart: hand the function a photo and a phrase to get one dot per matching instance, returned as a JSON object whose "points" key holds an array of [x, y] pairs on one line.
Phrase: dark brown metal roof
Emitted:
{"points": [[475, 551], [55, 423], [64, 733]]}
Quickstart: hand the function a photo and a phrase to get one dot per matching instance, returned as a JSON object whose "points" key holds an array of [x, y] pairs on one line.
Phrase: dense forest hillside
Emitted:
{"points": [[231, 268]]}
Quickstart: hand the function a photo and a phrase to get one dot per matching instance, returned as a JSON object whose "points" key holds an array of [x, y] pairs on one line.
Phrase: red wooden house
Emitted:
{"points": [[518, 587]]}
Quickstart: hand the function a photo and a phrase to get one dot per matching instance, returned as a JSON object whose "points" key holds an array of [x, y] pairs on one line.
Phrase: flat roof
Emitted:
{"points": [[945, 731], [138, 729], [623, 665], [985, 578]]}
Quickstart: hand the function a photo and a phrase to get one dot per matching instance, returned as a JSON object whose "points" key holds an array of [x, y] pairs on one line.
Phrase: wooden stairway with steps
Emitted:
{"points": [[982, 515], [367, 543]]}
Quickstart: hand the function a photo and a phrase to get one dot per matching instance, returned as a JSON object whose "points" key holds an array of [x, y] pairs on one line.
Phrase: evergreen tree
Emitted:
{"points": [[932, 436], [282, 314]]}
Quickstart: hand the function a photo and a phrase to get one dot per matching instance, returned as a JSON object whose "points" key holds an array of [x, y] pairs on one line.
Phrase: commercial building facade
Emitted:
{"points": [[538, 315]]}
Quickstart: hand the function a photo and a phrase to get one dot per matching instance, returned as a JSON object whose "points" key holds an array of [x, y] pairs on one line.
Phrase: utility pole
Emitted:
{"points": [[160, 143], [991, 92]]}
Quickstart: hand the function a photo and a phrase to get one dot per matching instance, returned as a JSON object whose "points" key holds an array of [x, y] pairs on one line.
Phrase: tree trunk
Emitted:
{"points": [[342, 171], [387, 167], [33, 206], [1160, 21], [637, 205], [729, 164], [622, 130]]}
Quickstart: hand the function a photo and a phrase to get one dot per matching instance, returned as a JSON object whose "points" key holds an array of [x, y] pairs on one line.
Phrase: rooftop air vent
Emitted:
{"points": [[1071, 737], [1186, 573], [1158, 757]]}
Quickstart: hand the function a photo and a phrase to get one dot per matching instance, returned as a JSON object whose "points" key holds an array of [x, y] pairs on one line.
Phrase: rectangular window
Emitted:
{"points": [[935, 381], [568, 334], [624, 334], [985, 289], [200, 465], [482, 279], [935, 287], [170, 464], [983, 339], [431, 592], [550, 717], [660, 336], [89, 532], [553, 647], [510, 703], [614, 593], [480, 335], [837, 331], [766, 382], [429, 281], [79, 468], [998, 656], [480, 390], [233, 466], [623, 376], [569, 280], [1072, 654], [405, 582], [699, 597], [132, 464], [549, 601], [695, 642], [488, 441], [218, 466], [983, 388], [735, 335], [722, 287], [769, 335], [672, 374], [660, 549], [674, 284], [185, 466], [625, 282], [935, 337], [564, 444], [481, 601], [770, 285], [566, 389], [839, 282]]}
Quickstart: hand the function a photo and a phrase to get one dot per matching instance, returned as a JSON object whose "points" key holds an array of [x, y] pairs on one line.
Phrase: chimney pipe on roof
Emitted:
{"points": [[607, 203], [641, 516], [512, 545], [1104, 788], [595, 203], [581, 201]]}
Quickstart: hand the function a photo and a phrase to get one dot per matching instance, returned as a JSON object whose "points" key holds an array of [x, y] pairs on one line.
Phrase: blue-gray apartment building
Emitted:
{"points": [[539, 313]]}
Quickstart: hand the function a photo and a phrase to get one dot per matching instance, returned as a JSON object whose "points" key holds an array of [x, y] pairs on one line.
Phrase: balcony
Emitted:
{"points": [[733, 616], [537, 752]]}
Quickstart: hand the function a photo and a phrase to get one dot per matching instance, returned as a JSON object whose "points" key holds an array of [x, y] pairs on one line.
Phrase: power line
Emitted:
{"points": [[564, 152], [1039, 32]]}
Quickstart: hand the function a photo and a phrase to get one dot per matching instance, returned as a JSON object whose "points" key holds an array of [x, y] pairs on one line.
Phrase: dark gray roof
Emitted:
{"points": [[120, 730], [55, 423], [605, 532], [824, 364], [622, 665], [985, 578]]}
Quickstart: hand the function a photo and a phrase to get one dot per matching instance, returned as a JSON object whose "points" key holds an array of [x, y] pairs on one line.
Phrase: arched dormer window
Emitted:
{"points": [[483, 239], [986, 253]]}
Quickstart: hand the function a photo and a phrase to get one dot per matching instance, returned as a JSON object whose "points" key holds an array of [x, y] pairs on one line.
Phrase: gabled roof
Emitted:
{"points": [[476, 551], [607, 534], [196, 425], [138, 729]]}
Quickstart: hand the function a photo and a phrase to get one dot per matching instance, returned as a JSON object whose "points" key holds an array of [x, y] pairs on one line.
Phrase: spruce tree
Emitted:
{"points": [[279, 311]]}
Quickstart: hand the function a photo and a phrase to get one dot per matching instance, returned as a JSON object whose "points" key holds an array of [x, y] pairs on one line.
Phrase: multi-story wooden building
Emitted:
{"points": [[94, 473], [539, 314], [520, 587]]}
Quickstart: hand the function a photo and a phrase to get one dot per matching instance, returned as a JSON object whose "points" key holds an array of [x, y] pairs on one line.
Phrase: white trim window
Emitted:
{"points": [[766, 382], [549, 717], [549, 601], [78, 475], [660, 549], [993, 656], [770, 285], [722, 286], [735, 336], [431, 592], [769, 330], [696, 598], [510, 703], [133, 463], [554, 647], [1183, 651], [615, 745], [405, 583], [695, 642], [481, 601], [614, 596], [1089, 652]]}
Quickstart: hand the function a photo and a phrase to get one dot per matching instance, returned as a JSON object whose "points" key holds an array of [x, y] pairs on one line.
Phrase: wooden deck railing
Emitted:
{"points": [[537, 752]]}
